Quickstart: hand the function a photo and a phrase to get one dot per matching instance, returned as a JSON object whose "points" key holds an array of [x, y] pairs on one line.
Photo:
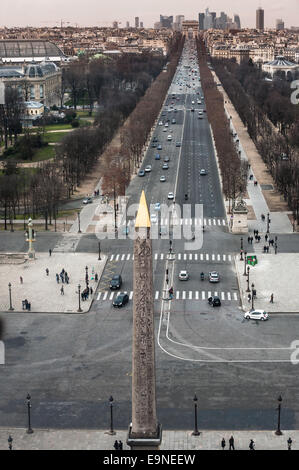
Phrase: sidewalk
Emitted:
{"points": [[263, 198], [171, 440], [42, 291]]}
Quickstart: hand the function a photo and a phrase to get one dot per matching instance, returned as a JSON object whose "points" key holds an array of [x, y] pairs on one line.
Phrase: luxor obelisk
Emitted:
{"points": [[144, 431]]}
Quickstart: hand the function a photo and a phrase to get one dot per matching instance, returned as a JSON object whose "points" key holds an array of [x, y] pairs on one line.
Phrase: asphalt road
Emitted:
{"points": [[71, 364]]}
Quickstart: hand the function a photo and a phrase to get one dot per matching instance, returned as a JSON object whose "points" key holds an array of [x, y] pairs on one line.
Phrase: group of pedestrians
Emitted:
{"points": [[86, 292], [251, 444], [63, 276], [26, 305]]}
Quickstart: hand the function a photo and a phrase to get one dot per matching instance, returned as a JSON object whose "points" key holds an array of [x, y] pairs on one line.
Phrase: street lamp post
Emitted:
{"points": [[268, 222], [248, 269], [278, 431], [29, 430], [252, 296], [241, 244], [275, 245], [241, 255], [195, 432], [30, 237], [79, 228], [10, 303], [9, 440], [79, 298], [99, 258], [245, 262], [86, 277], [170, 246], [111, 431]]}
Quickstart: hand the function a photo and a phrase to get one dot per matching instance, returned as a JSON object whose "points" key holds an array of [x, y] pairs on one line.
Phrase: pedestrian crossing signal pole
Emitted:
{"points": [[268, 222], [245, 262]]}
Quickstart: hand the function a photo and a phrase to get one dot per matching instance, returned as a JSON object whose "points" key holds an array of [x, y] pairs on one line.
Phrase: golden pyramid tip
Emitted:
{"points": [[142, 218]]}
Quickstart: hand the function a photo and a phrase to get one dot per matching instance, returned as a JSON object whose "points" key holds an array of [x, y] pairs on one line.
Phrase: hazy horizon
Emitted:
{"points": [[44, 13]]}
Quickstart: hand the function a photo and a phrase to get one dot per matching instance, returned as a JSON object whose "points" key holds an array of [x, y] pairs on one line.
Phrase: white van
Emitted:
{"points": [[169, 137]]}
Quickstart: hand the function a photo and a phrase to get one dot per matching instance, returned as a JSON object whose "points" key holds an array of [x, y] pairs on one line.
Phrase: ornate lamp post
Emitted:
{"points": [[268, 222], [28, 399], [278, 430], [252, 296], [10, 303], [99, 258], [79, 228], [275, 245], [195, 432], [248, 289], [86, 277], [111, 431], [245, 262], [79, 299]]}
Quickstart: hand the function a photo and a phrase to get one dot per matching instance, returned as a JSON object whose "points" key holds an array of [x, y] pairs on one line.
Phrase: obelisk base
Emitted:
{"points": [[145, 443]]}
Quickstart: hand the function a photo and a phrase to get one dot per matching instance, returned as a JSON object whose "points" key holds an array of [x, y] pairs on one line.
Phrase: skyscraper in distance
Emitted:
{"points": [[237, 21], [136, 21], [201, 19], [260, 19]]}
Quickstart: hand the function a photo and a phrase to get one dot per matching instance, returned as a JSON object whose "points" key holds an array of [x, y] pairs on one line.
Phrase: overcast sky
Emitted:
{"points": [[103, 12]]}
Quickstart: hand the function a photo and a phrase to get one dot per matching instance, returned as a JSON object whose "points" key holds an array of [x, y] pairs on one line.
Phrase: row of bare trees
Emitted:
{"points": [[10, 116], [35, 193], [233, 172], [276, 140]]}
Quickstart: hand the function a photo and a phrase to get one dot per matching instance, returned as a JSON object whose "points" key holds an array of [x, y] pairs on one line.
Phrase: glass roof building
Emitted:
{"points": [[17, 51]]}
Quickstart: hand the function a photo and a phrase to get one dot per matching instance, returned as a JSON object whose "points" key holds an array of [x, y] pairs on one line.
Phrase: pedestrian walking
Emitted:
{"points": [[47, 271], [120, 445], [272, 298], [267, 249], [223, 443], [90, 290], [266, 237], [171, 293], [115, 445], [249, 298], [248, 239], [251, 445], [96, 277], [251, 240], [21, 280], [67, 279], [57, 278], [289, 441], [50, 252], [258, 238], [257, 232], [82, 296], [62, 290], [231, 443]]}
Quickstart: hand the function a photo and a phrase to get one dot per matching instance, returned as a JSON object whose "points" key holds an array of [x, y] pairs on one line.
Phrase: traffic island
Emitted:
{"points": [[275, 274], [50, 284]]}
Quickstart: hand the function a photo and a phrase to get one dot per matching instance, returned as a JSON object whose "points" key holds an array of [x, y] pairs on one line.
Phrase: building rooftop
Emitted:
{"points": [[23, 48]]}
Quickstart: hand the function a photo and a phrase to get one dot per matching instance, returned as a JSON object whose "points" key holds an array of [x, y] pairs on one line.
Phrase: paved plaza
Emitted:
{"points": [[171, 440], [42, 290], [273, 274]]}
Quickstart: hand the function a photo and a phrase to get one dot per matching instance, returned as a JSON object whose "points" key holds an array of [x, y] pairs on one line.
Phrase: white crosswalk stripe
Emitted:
{"points": [[179, 295], [179, 256], [174, 220]]}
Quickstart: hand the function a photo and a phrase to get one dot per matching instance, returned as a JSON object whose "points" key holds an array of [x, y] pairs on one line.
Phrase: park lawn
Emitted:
{"points": [[57, 127], [44, 153], [84, 113], [53, 137]]}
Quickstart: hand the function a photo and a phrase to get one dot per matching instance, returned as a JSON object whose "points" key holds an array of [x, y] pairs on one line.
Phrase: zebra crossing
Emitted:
{"points": [[193, 221], [178, 295], [215, 257]]}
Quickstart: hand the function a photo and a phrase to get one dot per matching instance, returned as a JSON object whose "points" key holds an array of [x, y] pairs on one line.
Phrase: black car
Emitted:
{"points": [[214, 301], [116, 282], [121, 300]]}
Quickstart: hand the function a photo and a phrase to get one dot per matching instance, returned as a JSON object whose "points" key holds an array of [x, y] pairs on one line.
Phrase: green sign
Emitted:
{"points": [[252, 260]]}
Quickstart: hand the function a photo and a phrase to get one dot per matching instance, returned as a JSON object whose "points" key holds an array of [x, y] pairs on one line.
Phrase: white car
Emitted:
{"points": [[162, 179], [214, 276], [184, 275], [148, 168], [256, 315], [161, 123], [154, 218], [169, 137], [170, 196], [202, 171], [87, 200], [157, 206]]}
